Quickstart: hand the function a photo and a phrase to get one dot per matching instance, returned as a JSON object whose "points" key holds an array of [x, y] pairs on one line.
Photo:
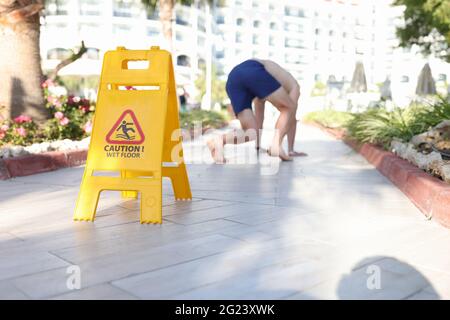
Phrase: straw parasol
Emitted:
{"points": [[425, 83], [359, 83]]}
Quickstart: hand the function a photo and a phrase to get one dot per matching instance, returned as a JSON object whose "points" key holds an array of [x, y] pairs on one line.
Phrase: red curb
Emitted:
{"points": [[38, 163], [430, 194], [440, 208], [4, 174], [76, 158], [26, 165]]}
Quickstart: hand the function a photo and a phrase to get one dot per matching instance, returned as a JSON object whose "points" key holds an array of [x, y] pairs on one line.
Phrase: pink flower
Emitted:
{"points": [[88, 127], [21, 131], [48, 83], [22, 119], [130, 88], [64, 121], [2, 135], [4, 128], [59, 115]]}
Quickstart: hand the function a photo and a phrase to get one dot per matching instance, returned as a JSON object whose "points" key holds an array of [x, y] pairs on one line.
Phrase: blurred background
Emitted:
{"points": [[320, 42]]}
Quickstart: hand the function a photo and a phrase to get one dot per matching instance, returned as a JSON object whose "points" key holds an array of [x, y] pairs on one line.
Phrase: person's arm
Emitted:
{"points": [[259, 115]]}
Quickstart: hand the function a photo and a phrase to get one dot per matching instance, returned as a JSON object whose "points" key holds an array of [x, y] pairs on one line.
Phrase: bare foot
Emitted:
{"points": [[283, 156], [297, 154], [216, 154]]}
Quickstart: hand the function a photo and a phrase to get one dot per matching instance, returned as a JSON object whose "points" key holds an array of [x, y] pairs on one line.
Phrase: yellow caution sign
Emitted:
{"points": [[135, 138]]}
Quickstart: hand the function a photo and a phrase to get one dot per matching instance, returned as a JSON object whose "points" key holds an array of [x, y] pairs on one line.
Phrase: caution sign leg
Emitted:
{"points": [[180, 182], [87, 201]]}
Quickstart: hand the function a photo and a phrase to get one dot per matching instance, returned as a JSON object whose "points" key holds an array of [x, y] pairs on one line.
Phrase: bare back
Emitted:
{"points": [[286, 80]]}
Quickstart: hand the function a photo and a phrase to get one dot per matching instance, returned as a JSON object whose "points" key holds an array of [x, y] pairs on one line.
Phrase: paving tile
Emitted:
{"points": [[309, 230], [99, 292]]}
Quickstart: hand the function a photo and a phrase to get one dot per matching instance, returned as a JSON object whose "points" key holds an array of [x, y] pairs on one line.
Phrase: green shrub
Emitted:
{"points": [[380, 126], [208, 119], [329, 118]]}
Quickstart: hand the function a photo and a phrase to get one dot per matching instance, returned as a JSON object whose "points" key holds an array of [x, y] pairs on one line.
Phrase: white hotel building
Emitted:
{"points": [[315, 39]]}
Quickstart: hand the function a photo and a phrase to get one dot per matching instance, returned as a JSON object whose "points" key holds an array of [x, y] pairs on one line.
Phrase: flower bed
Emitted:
{"points": [[70, 118], [419, 134]]}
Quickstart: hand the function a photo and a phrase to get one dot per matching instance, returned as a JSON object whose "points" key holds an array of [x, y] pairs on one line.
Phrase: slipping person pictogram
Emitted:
{"points": [[125, 129]]}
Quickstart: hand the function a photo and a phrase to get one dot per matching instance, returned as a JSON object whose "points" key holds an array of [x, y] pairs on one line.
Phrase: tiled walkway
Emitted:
{"points": [[326, 226]]}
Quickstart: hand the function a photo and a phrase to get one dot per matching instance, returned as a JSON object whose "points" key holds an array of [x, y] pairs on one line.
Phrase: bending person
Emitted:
{"points": [[260, 80]]}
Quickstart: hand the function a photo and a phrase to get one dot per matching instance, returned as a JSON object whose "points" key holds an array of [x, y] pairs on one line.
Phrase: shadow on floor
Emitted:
{"points": [[382, 277]]}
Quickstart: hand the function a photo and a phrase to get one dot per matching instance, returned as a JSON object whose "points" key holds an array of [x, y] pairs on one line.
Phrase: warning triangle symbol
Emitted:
{"points": [[126, 130]]}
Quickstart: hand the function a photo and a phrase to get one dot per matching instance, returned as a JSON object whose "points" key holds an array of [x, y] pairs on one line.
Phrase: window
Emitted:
{"points": [[442, 77], [404, 79], [317, 31], [359, 50], [294, 12], [257, 39], [201, 41], [294, 27], [273, 26], [256, 24], [240, 21], [126, 8], [121, 29], [293, 43], [181, 20], [330, 33], [272, 40], [58, 54], [179, 36], [152, 32], [201, 24], [56, 7], [220, 54], [292, 58], [89, 7], [220, 19], [239, 37], [88, 29], [183, 60]]}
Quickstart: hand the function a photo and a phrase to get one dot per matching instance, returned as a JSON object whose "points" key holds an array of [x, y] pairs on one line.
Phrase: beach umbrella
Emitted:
{"points": [[385, 90], [425, 83], [359, 83]]}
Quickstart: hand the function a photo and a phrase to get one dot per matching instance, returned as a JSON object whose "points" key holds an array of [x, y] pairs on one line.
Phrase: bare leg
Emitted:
{"points": [[281, 100], [294, 94], [249, 133], [259, 115]]}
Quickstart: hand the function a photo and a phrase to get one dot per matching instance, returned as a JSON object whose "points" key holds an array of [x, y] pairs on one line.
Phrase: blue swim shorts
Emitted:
{"points": [[248, 80]]}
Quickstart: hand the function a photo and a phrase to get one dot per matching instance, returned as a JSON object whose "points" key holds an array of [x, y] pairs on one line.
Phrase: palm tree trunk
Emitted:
{"points": [[20, 66], [166, 16]]}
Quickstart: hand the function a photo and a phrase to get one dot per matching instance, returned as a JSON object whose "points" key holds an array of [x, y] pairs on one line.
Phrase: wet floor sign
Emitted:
{"points": [[136, 138]]}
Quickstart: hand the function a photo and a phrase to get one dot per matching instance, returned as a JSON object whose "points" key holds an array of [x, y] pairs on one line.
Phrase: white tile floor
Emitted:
{"points": [[315, 228]]}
